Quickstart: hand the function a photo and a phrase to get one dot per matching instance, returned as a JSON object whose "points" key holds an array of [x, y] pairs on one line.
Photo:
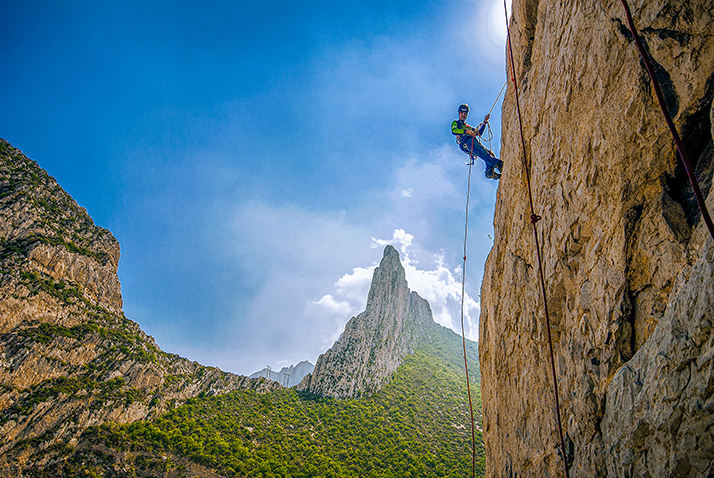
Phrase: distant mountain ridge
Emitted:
{"points": [[286, 376], [394, 324]]}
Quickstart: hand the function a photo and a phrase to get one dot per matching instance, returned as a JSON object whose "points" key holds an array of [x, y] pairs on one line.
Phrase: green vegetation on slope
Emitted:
{"points": [[59, 218], [113, 389], [416, 426]]}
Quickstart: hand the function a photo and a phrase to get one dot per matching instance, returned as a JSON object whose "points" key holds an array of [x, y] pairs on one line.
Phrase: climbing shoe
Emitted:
{"points": [[499, 165], [491, 174]]}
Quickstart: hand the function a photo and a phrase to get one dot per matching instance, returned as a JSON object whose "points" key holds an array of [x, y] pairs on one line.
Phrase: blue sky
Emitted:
{"points": [[253, 158]]}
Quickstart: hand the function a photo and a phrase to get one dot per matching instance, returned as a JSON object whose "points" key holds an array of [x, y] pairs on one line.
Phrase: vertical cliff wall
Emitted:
{"points": [[628, 261]]}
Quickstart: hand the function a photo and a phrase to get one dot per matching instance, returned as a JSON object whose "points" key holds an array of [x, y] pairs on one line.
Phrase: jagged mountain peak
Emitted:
{"points": [[389, 276], [286, 376], [390, 256], [40, 221], [373, 344]]}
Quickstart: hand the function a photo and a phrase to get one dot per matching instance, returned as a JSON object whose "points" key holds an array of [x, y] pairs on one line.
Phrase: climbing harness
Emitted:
{"points": [[668, 119], [534, 220]]}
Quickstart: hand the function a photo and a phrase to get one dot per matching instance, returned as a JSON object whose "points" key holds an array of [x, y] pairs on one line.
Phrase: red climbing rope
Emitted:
{"points": [[463, 332], [534, 220], [668, 119]]}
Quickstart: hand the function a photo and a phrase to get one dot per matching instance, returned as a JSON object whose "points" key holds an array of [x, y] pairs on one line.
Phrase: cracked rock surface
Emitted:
{"points": [[627, 259]]}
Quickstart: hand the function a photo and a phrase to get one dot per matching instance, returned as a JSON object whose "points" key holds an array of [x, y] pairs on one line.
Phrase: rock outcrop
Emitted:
{"points": [[374, 343], [69, 359], [287, 376], [627, 259]]}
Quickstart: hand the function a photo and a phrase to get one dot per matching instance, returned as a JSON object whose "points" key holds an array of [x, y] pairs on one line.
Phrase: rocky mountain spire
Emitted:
{"points": [[374, 343]]}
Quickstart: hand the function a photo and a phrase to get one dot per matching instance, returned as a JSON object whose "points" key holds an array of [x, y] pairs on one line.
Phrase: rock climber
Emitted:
{"points": [[467, 139]]}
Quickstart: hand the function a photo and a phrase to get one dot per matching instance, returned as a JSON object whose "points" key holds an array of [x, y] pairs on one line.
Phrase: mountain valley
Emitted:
{"points": [[85, 392]]}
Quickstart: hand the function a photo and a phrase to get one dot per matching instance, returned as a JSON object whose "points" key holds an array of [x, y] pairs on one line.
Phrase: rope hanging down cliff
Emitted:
{"points": [[534, 220], [463, 332], [670, 124], [463, 290], [489, 134]]}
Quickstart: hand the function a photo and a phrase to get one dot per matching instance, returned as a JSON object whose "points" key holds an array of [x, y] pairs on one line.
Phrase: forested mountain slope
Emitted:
{"points": [[416, 426]]}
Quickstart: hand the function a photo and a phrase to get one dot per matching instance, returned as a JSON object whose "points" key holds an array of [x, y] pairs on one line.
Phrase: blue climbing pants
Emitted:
{"points": [[478, 150]]}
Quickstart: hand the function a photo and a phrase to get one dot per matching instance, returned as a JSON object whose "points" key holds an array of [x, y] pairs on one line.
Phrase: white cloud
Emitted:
{"points": [[341, 307], [283, 261], [352, 290], [355, 286], [291, 237], [431, 180], [407, 193], [301, 274], [399, 237], [441, 287]]}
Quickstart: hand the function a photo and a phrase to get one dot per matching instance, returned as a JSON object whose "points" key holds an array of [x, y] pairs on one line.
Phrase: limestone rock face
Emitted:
{"points": [[627, 259], [69, 359], [46, 225], [374, 343]]}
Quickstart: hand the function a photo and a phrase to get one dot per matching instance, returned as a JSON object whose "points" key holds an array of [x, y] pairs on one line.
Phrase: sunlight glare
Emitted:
{"points": [[497, 22]]}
